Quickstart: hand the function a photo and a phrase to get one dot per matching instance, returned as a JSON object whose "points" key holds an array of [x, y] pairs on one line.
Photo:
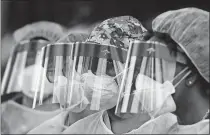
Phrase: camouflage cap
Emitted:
{"points": [[117, 31]]}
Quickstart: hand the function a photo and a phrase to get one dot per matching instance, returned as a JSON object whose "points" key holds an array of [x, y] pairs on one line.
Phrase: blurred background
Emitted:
{"points": [[74, 13]]}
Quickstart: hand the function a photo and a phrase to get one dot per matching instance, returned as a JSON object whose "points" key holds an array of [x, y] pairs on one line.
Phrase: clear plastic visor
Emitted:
{"points": [[20, 69], [148, 66], [81, 75]]}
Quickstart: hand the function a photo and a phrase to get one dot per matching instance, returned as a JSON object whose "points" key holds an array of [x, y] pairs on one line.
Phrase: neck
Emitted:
{"points": [[26, 101], [74, 116], [140, 117], [124, 125]]}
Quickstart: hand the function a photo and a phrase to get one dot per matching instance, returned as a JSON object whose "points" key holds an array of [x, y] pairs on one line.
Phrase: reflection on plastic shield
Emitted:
{"points": [[148, 66], [21, 65], [82, 75]]}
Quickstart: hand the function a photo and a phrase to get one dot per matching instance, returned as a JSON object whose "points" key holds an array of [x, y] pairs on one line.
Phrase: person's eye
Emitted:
{"points": [[64, 71], [50, 75], [110, 69]]}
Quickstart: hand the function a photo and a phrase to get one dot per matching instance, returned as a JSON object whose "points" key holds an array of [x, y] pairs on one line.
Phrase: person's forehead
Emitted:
{"points": [[159, 40], [155, 38], [179, 66]]}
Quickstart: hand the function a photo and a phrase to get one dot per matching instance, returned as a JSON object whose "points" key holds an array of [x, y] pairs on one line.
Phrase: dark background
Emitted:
{"points": [[17, 13]]}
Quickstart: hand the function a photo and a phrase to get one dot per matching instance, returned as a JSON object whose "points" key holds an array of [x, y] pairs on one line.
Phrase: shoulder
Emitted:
{"points": [[85, 125]]}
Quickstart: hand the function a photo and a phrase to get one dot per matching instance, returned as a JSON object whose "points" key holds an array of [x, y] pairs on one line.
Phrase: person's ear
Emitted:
{"points": [[191, 79]]}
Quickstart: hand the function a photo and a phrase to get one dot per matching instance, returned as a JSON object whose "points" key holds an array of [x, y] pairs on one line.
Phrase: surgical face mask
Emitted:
{"points": [[26, 79], [162, 93], [104, 86], [84, 89], [79, 100]]}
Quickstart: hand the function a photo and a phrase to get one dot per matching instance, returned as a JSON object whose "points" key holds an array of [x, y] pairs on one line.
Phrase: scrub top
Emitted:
{"points": [[99, 123]]}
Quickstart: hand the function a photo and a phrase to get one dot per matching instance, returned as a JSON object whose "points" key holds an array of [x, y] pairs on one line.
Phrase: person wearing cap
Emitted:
{"points": [[71, 114], [106, 121], [186, 33], [68, 115], [117, 32], [192, 36], [180, 39], [16, 109]]}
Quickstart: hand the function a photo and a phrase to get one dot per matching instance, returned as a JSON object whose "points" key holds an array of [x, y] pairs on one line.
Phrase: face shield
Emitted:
{"points": [[147, 80], [81, 75], [20, 69]]}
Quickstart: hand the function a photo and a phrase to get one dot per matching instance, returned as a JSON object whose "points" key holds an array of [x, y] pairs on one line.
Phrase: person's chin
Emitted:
{"points": [[181, 120]]}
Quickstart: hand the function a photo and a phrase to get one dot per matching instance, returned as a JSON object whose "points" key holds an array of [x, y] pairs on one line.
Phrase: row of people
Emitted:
{"points": [[119, 78]]}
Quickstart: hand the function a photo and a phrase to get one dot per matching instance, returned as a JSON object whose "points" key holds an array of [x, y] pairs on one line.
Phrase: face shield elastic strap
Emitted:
{"points": [[117, 76], [83, 100], [181, 73]]}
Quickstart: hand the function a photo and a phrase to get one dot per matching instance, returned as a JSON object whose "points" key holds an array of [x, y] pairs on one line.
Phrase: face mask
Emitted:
{"points": [[104, 87], [162, 100], [161, 94], [26, 80], [78, 101]]}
